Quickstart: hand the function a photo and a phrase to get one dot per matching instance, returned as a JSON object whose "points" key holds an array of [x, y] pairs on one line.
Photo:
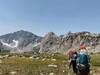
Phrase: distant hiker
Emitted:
{"points": [[83, 61], [72, 53]]}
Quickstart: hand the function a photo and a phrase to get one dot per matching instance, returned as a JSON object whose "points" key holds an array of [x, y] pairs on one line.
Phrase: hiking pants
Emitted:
{"points": [[84, 72], [74, 66]]}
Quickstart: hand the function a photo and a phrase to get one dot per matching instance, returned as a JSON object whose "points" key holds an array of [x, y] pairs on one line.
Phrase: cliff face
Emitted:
{"points": [[53, 43]]}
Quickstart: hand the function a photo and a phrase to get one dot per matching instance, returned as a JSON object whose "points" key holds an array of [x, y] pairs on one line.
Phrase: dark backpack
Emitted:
{"points": [[83, 61], [74, 56]]}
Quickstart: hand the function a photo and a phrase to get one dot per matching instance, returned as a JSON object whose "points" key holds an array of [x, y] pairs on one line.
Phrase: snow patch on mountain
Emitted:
{"points": [[14, 44], [37, 44]]}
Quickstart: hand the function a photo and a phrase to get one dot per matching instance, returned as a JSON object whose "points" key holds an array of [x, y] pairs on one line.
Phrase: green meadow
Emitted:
{"points": [[42, 64]]}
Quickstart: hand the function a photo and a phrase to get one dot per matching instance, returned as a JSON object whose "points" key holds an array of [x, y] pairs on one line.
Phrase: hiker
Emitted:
{"points": [[72, 53], [83, 61]]}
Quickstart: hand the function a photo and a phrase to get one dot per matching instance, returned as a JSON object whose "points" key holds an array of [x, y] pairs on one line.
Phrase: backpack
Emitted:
{"points": [[74, 56], [83, 61]]}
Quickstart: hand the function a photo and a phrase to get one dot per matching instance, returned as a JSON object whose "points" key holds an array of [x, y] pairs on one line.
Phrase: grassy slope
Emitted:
{"points": [[26, 66]]}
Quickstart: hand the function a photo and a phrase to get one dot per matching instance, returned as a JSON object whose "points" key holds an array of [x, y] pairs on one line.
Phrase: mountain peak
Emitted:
{"points": [[51, 33], [23, 31], [23, 39]]}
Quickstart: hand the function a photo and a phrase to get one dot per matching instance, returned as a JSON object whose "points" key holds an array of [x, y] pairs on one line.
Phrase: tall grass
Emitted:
{"points": [[27, 66]]}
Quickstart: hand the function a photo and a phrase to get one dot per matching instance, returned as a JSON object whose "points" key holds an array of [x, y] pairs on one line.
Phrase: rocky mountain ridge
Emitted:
{"points": [[24, 41], [70, 40]]}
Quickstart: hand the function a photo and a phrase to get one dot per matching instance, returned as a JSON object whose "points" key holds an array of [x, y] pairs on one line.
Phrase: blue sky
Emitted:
{"points": [[42, 16]]}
